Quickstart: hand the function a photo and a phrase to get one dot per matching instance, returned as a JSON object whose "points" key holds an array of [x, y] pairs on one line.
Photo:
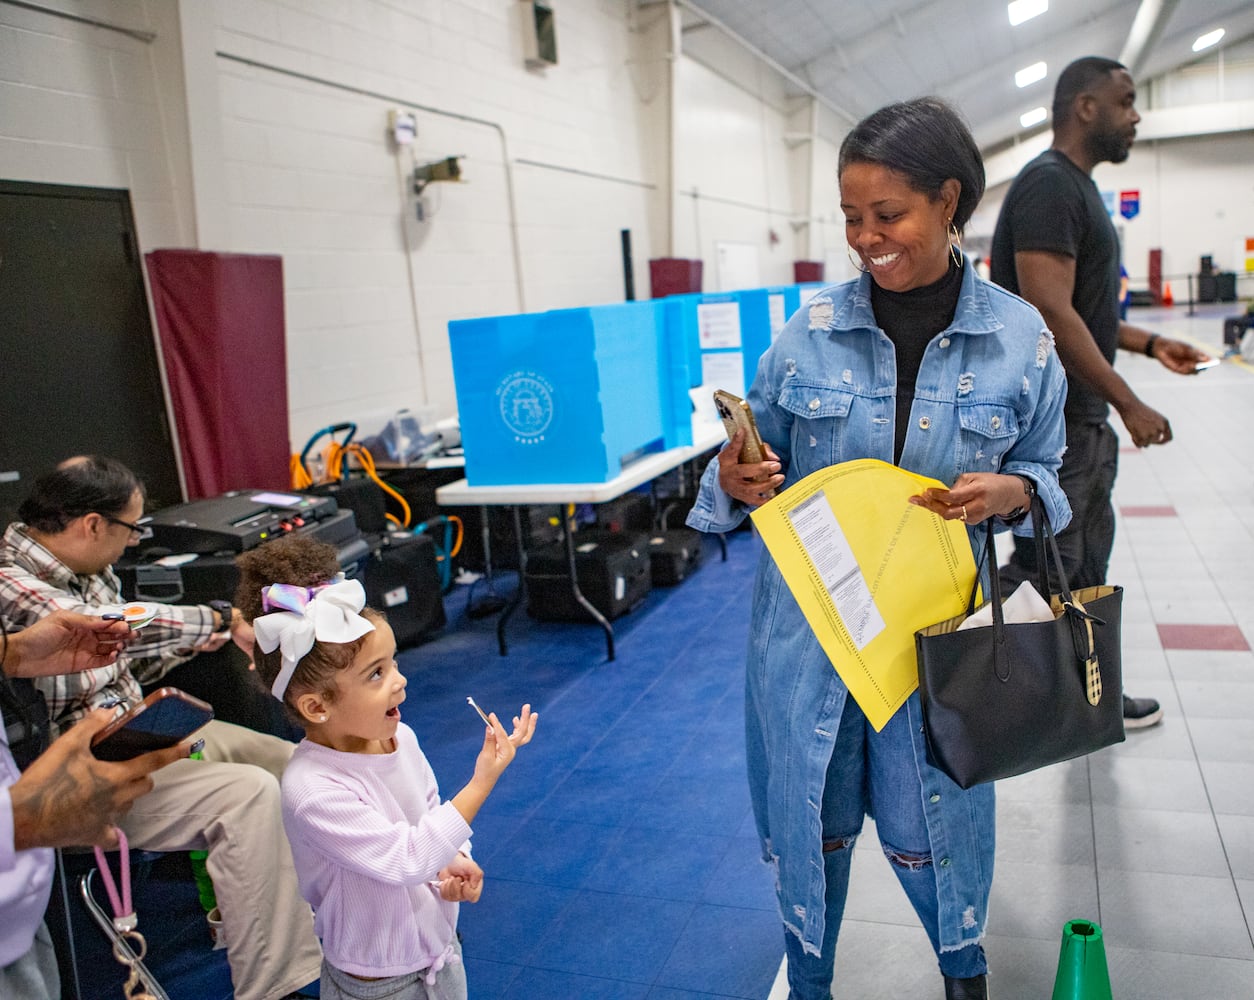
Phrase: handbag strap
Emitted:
{"points": [[1080, 620]]}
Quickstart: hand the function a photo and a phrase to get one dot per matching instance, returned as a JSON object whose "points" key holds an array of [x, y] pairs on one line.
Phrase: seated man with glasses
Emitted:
{"points": [[141, 529], [76, 523]]}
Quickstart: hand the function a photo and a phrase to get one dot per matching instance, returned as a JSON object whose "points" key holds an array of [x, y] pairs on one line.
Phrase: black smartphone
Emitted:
{"points": [[166, 717]]}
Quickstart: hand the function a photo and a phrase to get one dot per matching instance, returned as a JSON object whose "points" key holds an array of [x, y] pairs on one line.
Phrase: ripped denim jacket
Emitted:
{"points": [[989, 397]]}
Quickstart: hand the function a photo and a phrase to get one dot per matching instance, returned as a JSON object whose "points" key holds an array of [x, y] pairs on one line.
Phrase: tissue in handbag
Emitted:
{"points": [[1024, 605], [1004, 700]]}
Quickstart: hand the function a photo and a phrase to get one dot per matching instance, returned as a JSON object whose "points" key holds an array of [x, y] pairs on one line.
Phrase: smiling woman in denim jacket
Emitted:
{"points": [[920, 363]]}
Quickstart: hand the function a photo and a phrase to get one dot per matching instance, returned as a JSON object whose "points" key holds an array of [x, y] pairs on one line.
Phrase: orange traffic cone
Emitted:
{"points": [[1167, 299]]}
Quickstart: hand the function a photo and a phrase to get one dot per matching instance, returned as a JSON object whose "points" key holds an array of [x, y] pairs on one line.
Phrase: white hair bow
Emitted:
{"points": [[330, 614]]}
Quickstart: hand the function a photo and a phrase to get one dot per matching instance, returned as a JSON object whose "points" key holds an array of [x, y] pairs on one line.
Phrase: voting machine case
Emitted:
{"points": [[674, 555], [402, 579], [612, 569]]}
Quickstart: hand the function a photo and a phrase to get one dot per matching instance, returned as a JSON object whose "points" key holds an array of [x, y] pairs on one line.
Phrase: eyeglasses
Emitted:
{"points": [[142, 527]]}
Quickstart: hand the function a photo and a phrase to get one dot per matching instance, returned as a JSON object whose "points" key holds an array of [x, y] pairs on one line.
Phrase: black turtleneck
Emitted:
{"points": [[911, 319]]}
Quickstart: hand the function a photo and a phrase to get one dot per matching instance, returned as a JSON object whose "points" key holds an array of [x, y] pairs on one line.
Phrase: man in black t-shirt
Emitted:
{"points": [[1055, 245]]}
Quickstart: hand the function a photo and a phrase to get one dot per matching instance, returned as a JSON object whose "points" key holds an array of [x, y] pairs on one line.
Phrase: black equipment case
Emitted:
{"points": [[402, 580], [612, 569], [673, 555], [630, 513], [212, 574]]}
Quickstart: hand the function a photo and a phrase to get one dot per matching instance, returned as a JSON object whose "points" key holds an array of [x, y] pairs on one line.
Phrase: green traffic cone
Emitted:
{"points": [[1082, 972]]}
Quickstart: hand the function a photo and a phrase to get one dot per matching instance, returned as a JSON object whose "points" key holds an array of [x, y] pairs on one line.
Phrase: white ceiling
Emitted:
{"points": [[858, 56]]}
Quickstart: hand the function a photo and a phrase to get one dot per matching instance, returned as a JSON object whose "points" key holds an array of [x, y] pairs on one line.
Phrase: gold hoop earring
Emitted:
{"points": [[854, 259], [955, 244]]}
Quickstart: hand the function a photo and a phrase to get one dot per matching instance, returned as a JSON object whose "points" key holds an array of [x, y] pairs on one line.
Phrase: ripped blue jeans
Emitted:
{"points": [[873, 774]]}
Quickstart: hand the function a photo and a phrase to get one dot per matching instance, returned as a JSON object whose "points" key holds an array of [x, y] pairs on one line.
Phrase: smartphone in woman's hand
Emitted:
{"points": [[737, 416]]}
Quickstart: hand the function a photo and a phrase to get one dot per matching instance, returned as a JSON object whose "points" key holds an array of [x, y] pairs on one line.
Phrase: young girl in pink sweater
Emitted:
{"points": [[381, 859]]}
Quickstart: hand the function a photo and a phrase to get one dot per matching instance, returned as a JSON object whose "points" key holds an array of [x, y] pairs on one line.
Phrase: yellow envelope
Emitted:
{"points": [[868, 569]]}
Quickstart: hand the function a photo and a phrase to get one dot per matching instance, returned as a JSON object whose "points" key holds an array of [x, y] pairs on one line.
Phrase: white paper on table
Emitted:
{"points": [[176, 560]]}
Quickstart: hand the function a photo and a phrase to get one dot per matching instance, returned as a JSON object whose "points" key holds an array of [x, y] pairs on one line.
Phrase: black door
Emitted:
{"points": [[78, 362]]}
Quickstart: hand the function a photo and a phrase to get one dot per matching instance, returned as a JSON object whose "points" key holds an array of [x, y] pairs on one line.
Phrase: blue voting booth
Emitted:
{"points": [[570, 395]]}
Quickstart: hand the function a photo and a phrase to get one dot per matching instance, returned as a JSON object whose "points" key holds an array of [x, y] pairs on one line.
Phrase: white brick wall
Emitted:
{"points": [[84, 106], [303, 169], [310, 175]]}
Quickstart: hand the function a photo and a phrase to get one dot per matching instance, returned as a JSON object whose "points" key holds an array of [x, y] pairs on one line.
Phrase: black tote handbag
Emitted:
{"points": [[1011, 697]]}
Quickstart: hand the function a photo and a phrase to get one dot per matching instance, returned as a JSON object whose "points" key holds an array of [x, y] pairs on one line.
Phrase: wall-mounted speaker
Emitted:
{"points": [[539, 33]]}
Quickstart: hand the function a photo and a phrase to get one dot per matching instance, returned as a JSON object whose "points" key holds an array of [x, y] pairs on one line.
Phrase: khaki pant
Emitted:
{"points": [[228, 804]]}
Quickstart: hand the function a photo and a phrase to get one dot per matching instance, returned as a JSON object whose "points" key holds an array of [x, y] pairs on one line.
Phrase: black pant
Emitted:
{"points": [[1087, 477]]}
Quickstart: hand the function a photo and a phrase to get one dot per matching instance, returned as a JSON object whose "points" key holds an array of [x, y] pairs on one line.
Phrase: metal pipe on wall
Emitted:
{"points": [[394, 99]]}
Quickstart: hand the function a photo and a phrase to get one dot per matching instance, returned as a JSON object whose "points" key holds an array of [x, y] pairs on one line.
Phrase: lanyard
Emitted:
{"points": [[129, 946], [124, 918]]}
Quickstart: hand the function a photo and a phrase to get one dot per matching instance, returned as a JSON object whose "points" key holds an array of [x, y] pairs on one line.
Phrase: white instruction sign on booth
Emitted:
{"points": [[718, 324], [775, 307], [724, 370]]}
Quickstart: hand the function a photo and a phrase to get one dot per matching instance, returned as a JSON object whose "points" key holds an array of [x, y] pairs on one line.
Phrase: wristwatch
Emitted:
{"points": [[1019, 513], [226, 611]]}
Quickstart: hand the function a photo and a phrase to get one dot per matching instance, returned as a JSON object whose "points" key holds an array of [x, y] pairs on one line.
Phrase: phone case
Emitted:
{"points": [[736, 415], [166, 717]]}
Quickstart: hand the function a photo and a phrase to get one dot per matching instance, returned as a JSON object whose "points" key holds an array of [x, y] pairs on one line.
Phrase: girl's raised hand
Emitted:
{"points": [[494, 757], [524, 727], [499, 747]]}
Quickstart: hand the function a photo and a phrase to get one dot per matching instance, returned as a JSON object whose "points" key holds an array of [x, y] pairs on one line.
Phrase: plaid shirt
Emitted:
{"points": [[34, 583]]}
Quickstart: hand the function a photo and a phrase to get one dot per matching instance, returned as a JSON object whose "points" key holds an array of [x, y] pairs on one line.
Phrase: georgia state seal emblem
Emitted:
{"points": [[525, 400]]}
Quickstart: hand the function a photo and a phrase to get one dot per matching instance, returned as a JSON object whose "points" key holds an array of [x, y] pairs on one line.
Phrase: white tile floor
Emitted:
{"points": [[1154, 838]]}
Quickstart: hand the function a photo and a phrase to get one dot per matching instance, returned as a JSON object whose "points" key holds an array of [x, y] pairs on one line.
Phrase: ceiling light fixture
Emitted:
{"points": [[1207, 40], [1033, 117], [1030, 74], [1025, 10]]}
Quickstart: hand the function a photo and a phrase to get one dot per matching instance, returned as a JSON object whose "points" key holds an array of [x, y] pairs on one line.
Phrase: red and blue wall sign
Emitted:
{"points": [[1129, 204]]}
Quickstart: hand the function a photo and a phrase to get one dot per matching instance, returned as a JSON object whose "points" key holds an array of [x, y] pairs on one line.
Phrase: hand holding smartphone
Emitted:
{"points": [[166, 717], [736, 415]]}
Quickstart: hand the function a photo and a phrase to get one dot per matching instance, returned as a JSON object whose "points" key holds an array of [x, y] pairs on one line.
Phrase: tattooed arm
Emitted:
{"points": [[62, 643], [68, 797]]}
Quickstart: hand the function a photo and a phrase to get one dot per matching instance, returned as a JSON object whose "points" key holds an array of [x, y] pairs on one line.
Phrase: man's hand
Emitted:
{"points": [[62, 643], [1180, 357], [69, 798], [215, 642], [1147, 426]]}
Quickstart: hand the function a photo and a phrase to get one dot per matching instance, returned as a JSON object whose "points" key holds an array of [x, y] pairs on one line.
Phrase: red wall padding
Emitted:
{"points": [[220, 319], [674, 276], [807, 270]]}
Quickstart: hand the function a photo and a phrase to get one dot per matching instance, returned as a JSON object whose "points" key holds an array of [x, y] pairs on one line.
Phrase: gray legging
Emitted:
{"points": [[450, 984], [33, 976]]}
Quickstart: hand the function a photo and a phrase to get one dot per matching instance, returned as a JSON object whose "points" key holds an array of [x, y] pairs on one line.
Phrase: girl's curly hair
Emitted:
{"points": [[304, 562], [291, 559]]}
